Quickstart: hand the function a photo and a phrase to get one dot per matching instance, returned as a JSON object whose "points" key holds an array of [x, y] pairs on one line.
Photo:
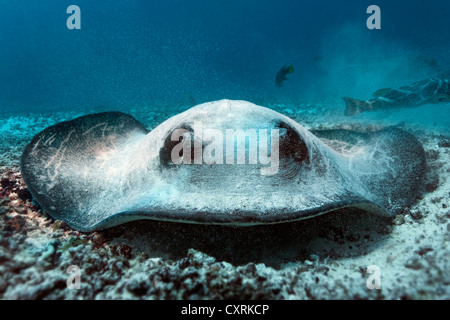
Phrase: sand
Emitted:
{"points": [[322, 258]]}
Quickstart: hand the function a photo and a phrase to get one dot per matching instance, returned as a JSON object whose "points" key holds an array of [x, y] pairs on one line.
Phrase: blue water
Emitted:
{"points": [[167, 53]]}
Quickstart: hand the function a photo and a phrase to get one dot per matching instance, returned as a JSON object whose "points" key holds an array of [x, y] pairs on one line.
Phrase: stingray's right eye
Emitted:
{"points": [[292, 145]]}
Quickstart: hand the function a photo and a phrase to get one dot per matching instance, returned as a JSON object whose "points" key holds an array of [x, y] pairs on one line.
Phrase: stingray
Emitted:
{"points": [[105, 169]]}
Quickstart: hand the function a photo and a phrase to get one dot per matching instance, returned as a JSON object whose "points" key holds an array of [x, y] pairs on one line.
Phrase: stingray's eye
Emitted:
{"points": [[292, 145], [178, 147]]}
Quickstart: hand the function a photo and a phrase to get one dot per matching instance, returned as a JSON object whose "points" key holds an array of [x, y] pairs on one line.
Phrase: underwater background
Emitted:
{"points": [[161, 54], [153, 59]]}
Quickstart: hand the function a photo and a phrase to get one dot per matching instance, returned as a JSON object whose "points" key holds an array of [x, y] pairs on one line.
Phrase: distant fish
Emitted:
{"points": [[416, 94], [282, 74]]}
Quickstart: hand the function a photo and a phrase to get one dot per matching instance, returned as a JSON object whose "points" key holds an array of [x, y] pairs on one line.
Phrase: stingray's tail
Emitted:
{"points": [[354, 106]]}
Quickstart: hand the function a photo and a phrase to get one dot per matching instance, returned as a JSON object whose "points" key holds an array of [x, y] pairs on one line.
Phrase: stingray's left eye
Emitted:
{"points": [[175, 139]]}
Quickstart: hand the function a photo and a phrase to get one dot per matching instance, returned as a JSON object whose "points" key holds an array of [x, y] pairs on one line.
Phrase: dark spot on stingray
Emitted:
{"points": [[432, 186], [292, 145], [293, 151], [165, 153], [102, 170]]}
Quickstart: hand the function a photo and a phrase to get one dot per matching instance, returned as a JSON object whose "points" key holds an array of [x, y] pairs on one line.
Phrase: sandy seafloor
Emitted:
{"points": [[320, 258]]}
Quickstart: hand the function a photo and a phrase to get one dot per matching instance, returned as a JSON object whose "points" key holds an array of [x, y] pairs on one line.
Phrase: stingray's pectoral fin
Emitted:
{"points": [[71, 163], [440, 98], [390, 164], [353, 106], [392, 169]]}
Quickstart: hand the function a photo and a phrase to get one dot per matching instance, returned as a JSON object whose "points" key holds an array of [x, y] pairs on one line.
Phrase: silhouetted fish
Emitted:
{"points": [[422, 92], [282, 74]]}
